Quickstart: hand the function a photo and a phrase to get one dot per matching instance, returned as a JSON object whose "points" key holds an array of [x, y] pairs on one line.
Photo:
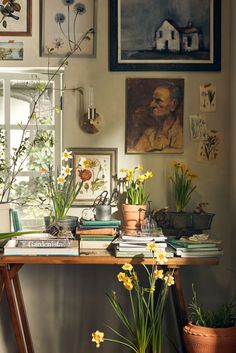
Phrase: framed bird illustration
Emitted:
{"points": [[15, 17]]}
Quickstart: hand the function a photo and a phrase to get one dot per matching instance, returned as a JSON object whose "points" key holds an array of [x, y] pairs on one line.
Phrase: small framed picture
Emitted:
{"points": [[66, 27], [97, 167], [16, 18]]}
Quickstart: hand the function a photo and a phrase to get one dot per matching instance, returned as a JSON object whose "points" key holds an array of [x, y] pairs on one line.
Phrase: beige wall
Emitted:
{"points": [[58, 326]]}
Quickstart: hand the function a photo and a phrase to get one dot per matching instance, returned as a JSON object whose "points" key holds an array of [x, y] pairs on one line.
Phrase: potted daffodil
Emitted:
{"points": [[133, 184]]}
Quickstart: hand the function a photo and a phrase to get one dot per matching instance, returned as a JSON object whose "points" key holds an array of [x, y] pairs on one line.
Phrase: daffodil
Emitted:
{"points": [[160, 256], [169, 279], [133, 184], [61, 179], [158, 274], [143, 317], [66, 170], [182, 183], [127, 267], [66, 155], [98, 337], [152, 247]]}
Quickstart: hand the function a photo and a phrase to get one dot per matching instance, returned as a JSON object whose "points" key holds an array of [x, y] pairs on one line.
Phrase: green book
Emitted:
{"points": [[111, 222], [189, 244]]}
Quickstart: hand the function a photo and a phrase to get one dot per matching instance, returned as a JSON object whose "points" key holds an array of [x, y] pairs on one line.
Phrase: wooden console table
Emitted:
{"points": [[9, 281]]}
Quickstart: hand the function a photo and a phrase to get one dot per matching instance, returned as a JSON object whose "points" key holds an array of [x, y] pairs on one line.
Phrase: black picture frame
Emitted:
{"points": [[118, 63]]}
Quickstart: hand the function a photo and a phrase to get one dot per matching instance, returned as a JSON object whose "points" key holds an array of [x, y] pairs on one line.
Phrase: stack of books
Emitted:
{"points": [[136, 246], [41, 244], [97, 234], [185, 247]]}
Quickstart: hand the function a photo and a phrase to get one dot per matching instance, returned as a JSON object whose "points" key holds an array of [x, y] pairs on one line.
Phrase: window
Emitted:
{"points": [[172, 34], [18, 93], [160, 34]]}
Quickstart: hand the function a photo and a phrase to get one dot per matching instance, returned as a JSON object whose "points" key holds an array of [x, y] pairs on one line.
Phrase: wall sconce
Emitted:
{"points": [[91, 122]]}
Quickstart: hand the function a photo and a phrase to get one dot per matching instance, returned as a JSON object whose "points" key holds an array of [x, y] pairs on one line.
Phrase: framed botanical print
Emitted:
{"points": [[16, 18], [165, 35], [97, 167], [68, 27]]}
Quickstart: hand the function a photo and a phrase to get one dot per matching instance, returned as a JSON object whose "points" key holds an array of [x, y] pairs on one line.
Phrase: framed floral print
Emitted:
{"points": [[67, 25], [98, 170]]}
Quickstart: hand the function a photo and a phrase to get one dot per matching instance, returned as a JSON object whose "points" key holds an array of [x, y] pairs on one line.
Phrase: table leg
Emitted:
{"points": [[22, 312], [1, 286], [13, 310], [180, 306]]}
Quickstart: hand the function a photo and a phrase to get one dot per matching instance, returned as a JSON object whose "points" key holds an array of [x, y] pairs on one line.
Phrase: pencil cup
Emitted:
{"points": [[103, 212]]}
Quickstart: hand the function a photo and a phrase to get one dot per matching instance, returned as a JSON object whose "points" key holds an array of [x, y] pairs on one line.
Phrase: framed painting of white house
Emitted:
{"points": [[165, 35]]}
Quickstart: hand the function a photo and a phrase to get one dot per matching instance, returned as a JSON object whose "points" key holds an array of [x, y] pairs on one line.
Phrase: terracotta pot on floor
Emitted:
{"points": [[200, 339], [133, 216]]}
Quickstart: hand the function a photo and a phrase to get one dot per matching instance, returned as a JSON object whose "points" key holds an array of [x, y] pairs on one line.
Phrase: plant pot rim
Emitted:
{"points": [[193, 329]]}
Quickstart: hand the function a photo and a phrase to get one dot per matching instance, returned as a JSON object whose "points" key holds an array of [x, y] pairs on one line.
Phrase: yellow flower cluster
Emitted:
{"points": [[98, 337], [134, 184], [185, 170]]}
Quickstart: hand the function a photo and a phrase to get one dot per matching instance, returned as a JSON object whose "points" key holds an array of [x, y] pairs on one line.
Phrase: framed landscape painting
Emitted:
{"points": [[165, 35], [97, 167]]}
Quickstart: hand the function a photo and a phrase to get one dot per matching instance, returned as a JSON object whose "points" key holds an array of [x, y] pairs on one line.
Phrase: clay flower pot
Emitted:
{"points": [[200, 339], [133, 216]]}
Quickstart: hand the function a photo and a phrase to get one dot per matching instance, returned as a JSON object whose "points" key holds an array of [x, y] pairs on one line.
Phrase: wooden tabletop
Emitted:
{"points": [[102, 257]]}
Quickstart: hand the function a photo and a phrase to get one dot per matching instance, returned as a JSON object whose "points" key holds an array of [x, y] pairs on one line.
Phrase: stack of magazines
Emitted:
{"points": [[41, 244], [130, 246]]}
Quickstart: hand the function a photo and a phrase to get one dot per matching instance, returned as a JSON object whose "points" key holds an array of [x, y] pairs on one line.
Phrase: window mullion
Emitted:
{"points": [[7, 114]]}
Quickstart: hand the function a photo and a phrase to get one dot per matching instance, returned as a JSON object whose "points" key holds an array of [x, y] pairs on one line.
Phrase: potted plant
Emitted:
{"points": [[147, 303], [134, 208], [182, 180], [211, 331], [63, 191]]}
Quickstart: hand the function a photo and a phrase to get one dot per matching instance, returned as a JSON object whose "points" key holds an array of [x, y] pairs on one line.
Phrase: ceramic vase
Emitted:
{"points": [[5, 218], [133, 215], [200, 339]]}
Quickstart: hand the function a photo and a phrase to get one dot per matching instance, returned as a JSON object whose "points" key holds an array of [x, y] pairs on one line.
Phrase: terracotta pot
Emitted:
{"points": [[133, 216], [200, 339]]}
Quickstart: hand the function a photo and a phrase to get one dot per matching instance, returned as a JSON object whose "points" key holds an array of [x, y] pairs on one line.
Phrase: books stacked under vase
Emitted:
{"points": [[198, 245], [94, 234]]}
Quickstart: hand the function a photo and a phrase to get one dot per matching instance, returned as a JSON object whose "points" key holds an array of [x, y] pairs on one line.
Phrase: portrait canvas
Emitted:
{"points": [[151, 34], [154, 115]]}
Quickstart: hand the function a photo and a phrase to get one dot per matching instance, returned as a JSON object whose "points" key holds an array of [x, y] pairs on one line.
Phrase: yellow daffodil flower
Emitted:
{"points": [[66, 170], [152, 247], [98, 337], [169, 280], [127, 267], [161, 257], [128, 284], [158, 274], [139, 167], [61, 180], [121, 276], [66, 155]]}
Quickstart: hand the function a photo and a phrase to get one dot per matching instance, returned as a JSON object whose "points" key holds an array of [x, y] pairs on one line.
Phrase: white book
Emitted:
{"points": [[95, 244], [11, 249], [140, 239], [130, 245]]}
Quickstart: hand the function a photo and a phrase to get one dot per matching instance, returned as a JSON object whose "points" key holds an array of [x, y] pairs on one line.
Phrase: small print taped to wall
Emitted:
{"points": [[198, 127], [208, 98], [209, 149]]}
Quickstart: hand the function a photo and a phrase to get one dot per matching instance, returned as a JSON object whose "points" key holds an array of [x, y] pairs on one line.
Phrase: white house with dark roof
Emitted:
{"points": [[170, 37]]}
